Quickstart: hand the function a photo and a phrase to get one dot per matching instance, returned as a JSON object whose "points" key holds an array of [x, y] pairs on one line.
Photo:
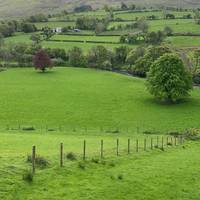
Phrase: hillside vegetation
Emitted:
{"points": [[11, 8], [74, 97]]}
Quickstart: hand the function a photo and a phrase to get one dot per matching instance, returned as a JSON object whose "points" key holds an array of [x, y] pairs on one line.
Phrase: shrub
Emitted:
{"points": [[81, 165], [142, 64], [39, 161], [28, 128], [58, 62], [76, 57], [71, 156], [120, 177], [97, 57], [28, 176], [192, 134], [95, 160]]}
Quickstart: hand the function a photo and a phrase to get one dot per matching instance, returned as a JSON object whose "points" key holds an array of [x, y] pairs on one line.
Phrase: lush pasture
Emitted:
{"points": [[159, 14], [178, 25], [159, 175], [84, 46], [18, 38], [114, 39], [56, 24], [74, 97], [184, 41]]}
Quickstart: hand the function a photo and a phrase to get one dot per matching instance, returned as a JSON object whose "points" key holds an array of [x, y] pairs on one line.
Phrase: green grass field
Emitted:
{"points": [[159, 14], [71, 105], [172, 174], [108, 39], [184, 41], [54, 24], [65, 96]]}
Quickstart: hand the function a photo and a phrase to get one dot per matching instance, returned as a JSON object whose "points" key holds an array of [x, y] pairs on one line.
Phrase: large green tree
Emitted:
{"points": [[168, 79]]}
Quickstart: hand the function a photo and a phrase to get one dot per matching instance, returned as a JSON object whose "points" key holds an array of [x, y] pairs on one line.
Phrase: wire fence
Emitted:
{"points": [[101, 152]]}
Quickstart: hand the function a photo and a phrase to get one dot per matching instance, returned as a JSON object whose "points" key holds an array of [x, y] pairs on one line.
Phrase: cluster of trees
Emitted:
{"points": [[83, 8], [37, 18], [197, 17], [8, 28], [195, 60], [89, 23], [153, 37], [167, 77]]}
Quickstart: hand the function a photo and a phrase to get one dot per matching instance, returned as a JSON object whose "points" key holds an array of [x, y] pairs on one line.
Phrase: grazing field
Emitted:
{"points": [[184, 41], [178, 25], [84, 46], [159, 174], [74, 97], [114, 39], [50, 24], [158, 14]]}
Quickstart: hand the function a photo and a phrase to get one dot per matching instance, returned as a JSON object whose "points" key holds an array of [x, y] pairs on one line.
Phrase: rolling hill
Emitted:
{"points": [[11, 8]]}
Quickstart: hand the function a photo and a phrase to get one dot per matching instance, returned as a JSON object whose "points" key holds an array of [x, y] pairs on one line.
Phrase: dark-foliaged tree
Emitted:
{"points": [[42, 61]]}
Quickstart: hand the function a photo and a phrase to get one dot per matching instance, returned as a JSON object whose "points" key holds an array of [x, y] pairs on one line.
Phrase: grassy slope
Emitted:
{"points": [[12, 8], [169, 175], [83, 97]]}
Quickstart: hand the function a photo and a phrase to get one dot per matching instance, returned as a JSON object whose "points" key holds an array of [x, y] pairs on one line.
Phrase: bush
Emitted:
{"points": [[81, 165], [95, 160], [120, 177], [39, 161], [76, 57], [28, 176], [71, 156], [196, 76], [28, 128], [99, 57], [58, 62], [142, 64], [192, 134]]}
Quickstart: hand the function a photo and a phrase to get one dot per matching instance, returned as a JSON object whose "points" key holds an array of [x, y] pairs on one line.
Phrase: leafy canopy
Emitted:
{"points": [[168, 78]]}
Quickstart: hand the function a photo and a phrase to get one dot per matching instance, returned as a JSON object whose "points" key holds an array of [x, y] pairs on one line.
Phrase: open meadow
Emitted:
{"points": [[116, 118]]}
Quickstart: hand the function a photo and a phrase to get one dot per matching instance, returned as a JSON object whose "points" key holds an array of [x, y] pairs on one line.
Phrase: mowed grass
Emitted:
{"points": [[184, 41], [74, 97], [108, 39], [172, 174], [56, 24], [177, 25]]}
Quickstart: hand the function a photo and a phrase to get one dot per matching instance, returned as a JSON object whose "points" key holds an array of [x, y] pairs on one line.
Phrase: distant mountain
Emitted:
{"points": [[19, 8]]}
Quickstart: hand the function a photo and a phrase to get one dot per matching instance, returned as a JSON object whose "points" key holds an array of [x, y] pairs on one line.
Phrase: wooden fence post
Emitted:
{"points": [[33, 159], [84, 150], [167, 142], [101, 149], [145, 144], [157, 141], [175, 141], [129, 146], [151, 143], [137, 144], [117, 147], [162, 142], [61, 154], [172, 141]]}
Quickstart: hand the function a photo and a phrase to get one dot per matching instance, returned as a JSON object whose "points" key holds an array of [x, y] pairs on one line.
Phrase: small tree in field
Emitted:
{"points": [[168, 79], [42, 61]]}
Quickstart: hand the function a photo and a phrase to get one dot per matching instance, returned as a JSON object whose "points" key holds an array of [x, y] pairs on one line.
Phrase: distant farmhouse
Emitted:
{"points": [[57, 30]]}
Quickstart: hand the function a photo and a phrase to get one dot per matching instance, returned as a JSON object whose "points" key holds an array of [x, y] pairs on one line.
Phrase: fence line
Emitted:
{"points": [[174, 142]]}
